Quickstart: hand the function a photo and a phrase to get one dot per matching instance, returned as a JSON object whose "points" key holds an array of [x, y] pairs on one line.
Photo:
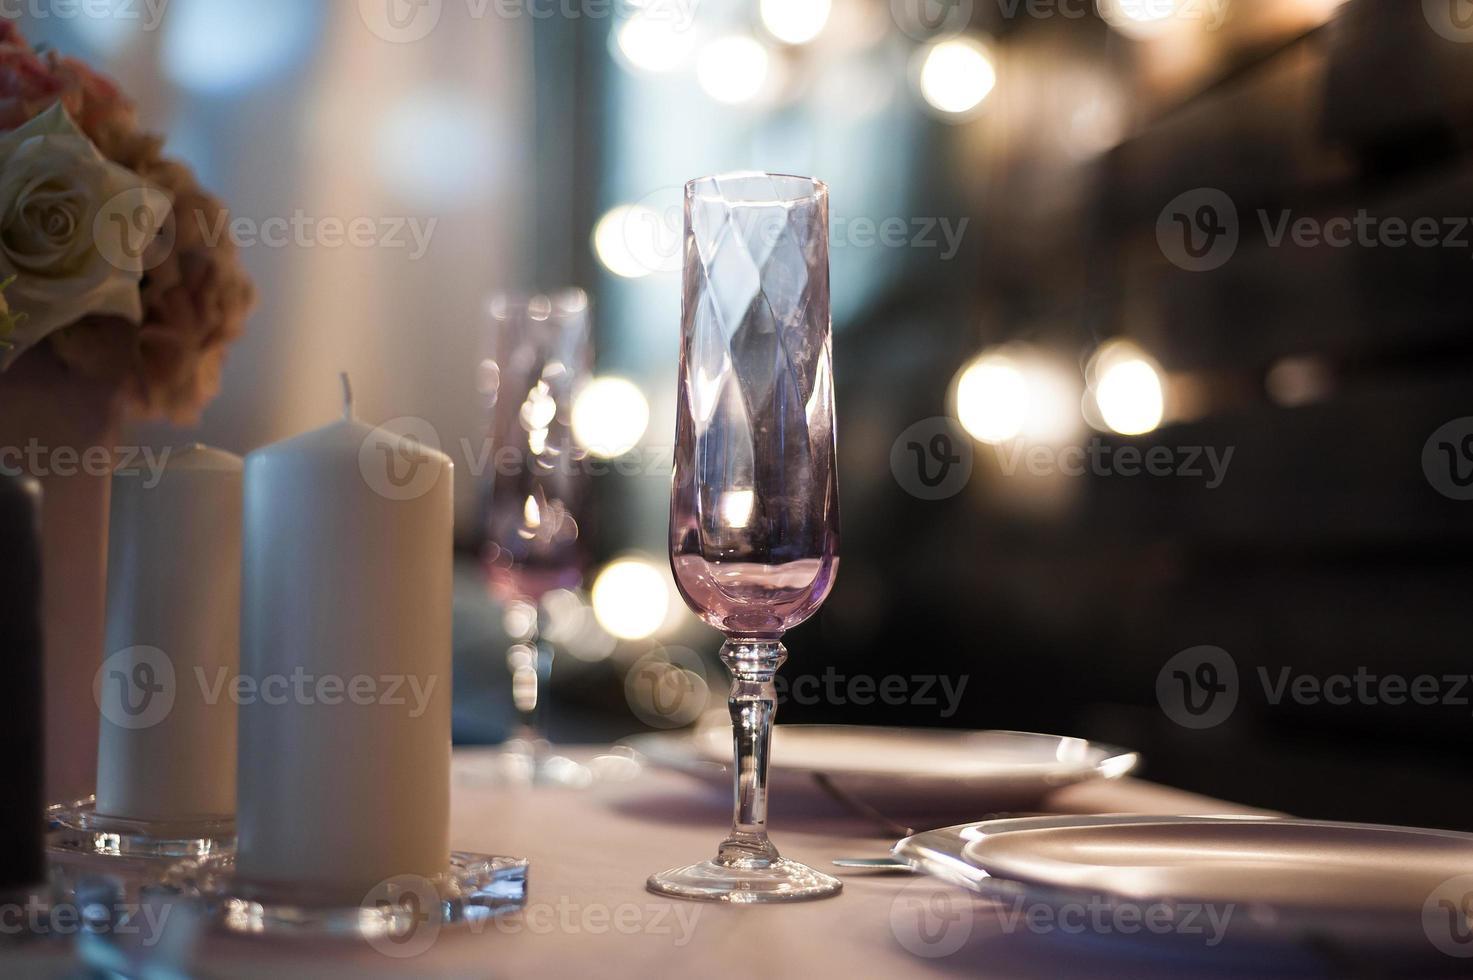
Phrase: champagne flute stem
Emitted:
{"points": [[753, 705]]}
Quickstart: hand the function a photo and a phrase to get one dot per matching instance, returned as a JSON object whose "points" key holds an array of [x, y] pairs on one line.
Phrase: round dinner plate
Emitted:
{"points": [[1307, 883], [998, 769]]}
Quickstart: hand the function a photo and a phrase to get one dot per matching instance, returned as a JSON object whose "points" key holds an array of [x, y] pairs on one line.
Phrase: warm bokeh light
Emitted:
{"points": [[650, 41], [795, 21], [1143, 19], [572, 627], [1017, 392], [733, 69], [610, 416], [737, 507], [630, 599], [956, 75], [1127, 389], [615, 238], [992, 399]]}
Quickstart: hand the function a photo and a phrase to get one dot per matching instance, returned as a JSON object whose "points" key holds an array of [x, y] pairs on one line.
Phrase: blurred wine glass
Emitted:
{"points": [[539, 357], [754, 516]]}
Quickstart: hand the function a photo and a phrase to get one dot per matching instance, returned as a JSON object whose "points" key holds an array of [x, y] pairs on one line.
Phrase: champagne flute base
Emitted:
{"points": [[776, 881]]}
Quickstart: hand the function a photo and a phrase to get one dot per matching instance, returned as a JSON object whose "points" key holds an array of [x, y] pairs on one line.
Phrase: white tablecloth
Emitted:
{"points": [[589, 915]]}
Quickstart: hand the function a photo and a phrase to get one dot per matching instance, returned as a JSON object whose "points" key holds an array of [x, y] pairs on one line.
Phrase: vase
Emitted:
{"points": [[63, 429]]}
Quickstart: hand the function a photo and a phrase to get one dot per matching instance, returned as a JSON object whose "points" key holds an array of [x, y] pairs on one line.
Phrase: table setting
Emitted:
{"points": [[257, 651]]}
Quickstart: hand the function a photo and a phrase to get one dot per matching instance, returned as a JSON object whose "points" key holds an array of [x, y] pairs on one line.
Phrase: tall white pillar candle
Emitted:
{"points": [[345, 742], [166, 750]]}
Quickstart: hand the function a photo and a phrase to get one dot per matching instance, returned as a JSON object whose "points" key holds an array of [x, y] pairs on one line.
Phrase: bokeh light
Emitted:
{"points": [[631, 599], [733, 69], [436, 148], [619, 244], [992, 399], [795, 21], [1017, 392], [652, 41], [1126, 388], [957, 74], [1141, 19], [221, 46], [610, 416]]}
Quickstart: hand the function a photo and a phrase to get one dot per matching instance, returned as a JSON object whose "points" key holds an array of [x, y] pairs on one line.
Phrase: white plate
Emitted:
{"points": [[997, 769], [1336, 887]]}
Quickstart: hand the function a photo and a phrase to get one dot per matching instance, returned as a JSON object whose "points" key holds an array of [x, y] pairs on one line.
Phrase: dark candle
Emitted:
{"points": [[22, 855]]}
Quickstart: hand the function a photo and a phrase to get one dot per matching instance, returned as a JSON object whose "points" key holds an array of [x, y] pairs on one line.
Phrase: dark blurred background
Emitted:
{"points": [[1231, 231]]}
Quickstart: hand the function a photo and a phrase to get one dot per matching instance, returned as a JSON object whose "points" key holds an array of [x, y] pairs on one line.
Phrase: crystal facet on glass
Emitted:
{"points": [[754, 518]]}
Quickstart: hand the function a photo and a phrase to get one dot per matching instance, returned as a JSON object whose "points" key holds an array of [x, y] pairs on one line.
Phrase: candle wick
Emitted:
{"points": [[347, 396]]}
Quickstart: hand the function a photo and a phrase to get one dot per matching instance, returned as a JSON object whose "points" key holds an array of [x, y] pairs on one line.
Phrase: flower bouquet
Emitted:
{"points": [[112, 299]]}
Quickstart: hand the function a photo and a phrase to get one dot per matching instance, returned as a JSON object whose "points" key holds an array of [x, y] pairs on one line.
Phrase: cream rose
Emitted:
{"points": [[73, 230]]}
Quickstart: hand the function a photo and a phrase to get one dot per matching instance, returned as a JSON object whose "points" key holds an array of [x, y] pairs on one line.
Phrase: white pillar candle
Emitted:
{"points": [[166, 751], [345, 744]]}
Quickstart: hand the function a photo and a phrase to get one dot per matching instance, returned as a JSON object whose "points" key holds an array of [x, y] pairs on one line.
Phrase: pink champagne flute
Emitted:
{"points": [[754, 515]]}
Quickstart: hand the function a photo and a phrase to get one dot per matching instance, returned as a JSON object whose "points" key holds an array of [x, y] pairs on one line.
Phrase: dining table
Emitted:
{"points": [[588, 914]]}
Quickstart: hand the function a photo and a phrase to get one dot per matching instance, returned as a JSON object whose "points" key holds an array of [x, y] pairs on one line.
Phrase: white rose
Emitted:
{"points": [[73, 229]]}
